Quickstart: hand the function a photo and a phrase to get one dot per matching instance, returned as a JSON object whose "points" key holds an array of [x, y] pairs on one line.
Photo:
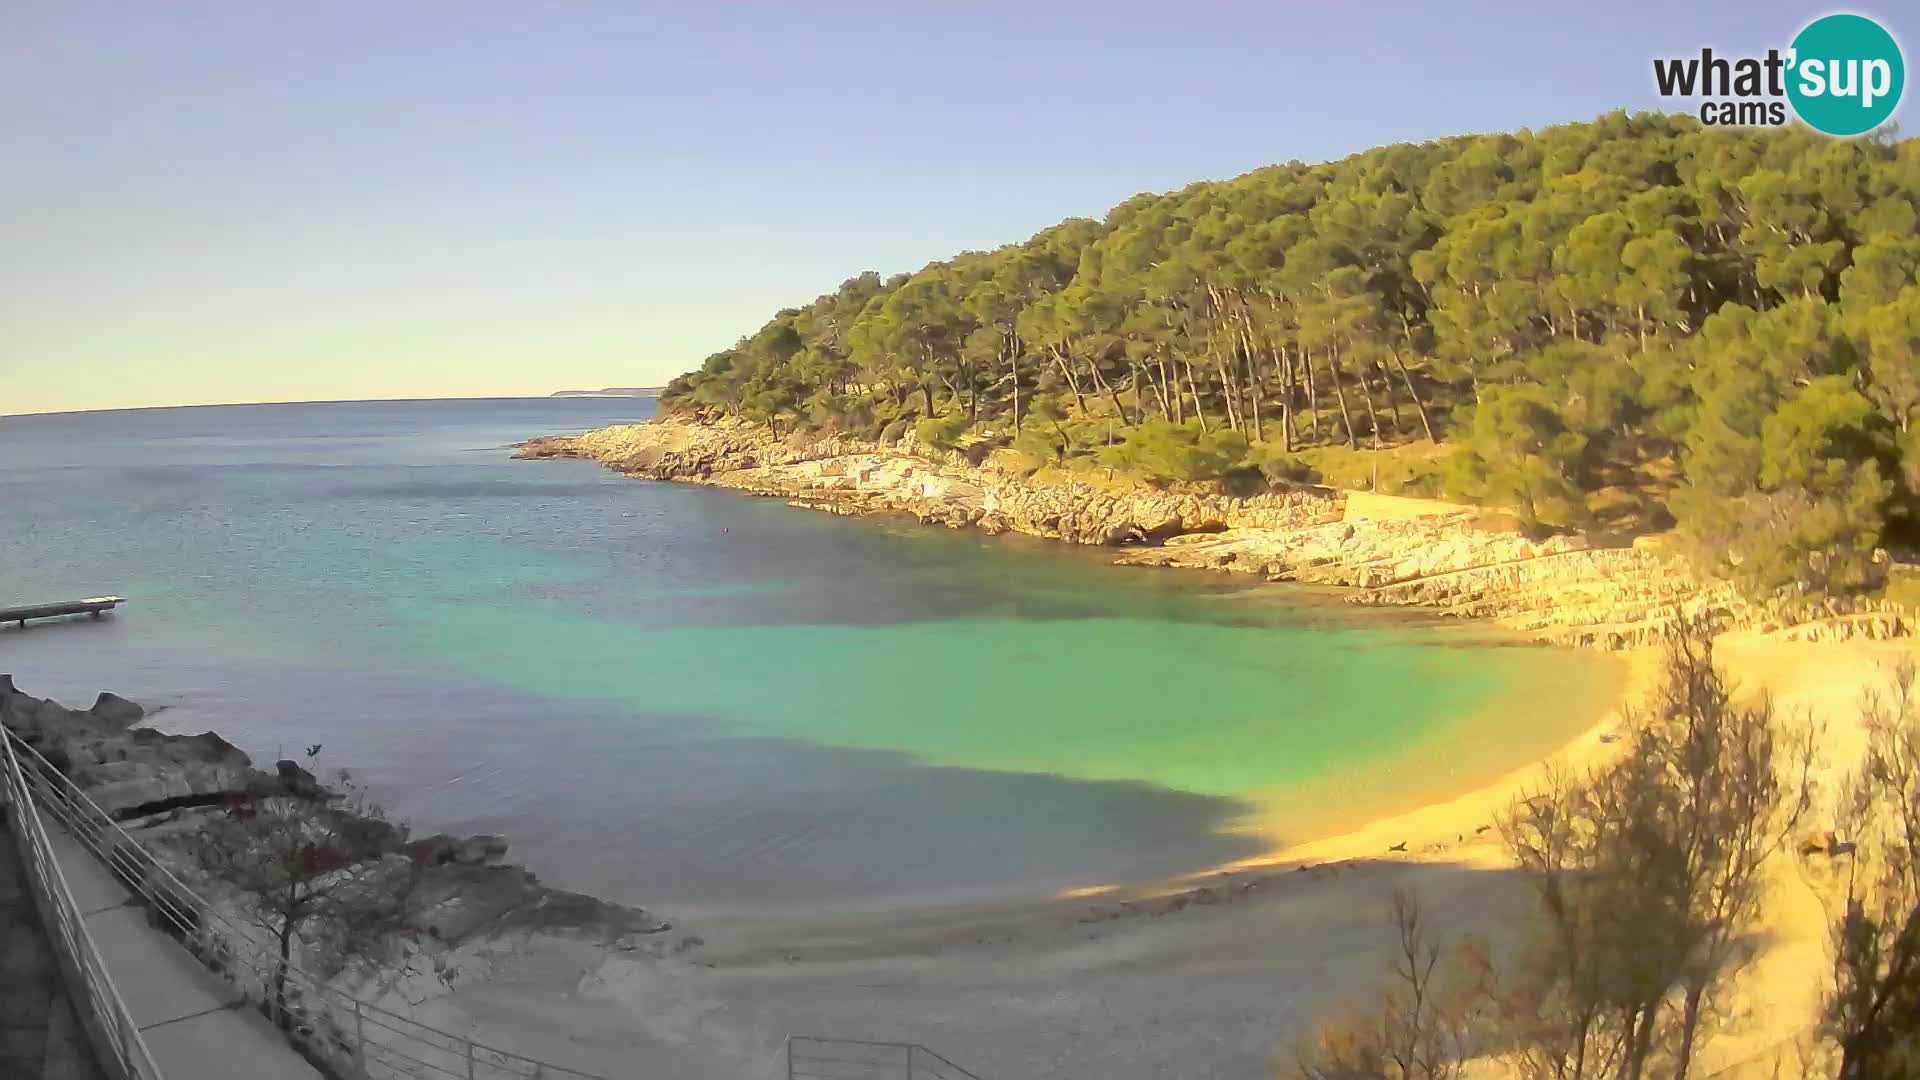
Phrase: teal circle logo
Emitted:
{"points": [[1847, 74]]}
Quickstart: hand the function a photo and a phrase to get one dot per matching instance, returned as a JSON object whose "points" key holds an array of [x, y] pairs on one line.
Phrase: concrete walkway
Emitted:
{"points": [[197, 1026], [40, 1037]]}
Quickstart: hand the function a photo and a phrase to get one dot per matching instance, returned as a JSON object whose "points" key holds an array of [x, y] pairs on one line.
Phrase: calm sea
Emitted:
{"points": [[699, 700]]}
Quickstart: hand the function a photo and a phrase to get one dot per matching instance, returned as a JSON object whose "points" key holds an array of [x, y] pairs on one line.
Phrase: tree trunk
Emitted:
{"points": [[1285, 360], [1193, 387], [1253, 386], [1228, 390], [1639, 1044], [1366, 395], [926, 394], [1013, 360], [1313, 396], [1393, 403], [1100, 383], [1340, 393], [280, 973], [1237, 391], [1073, 383], [1625, 1070], [1289, 379], [1689, 1024], [1418, 405], [1581, 1034]]}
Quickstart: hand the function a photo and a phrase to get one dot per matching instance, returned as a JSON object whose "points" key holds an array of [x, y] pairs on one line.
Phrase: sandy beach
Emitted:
{"points": [[1211, 976]]}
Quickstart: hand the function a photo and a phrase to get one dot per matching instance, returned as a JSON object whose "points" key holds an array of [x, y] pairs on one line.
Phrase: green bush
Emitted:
{"points": [[1041, 445], [895, 430], [825, 412], [1812, 506], [1521, 455], [1167, 451], [942, 431], [1281, 468]]}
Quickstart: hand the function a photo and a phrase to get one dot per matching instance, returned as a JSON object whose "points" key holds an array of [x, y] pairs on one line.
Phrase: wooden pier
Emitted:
{"points": [[92, 605]]}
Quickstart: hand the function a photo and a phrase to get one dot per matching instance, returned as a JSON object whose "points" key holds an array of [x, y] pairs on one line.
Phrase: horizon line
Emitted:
{"points": [[554, 395]]}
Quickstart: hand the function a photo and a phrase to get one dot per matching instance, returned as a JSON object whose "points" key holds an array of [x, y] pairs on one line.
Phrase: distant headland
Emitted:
{"points": [[611, 391]]}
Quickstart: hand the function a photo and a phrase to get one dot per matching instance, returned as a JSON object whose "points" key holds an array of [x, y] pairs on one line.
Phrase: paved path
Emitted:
{"points": [[197, 1026], [40, 1037]]}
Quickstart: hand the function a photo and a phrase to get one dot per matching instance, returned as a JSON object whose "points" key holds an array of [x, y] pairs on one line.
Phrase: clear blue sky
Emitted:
{"points": [[250, 201]]}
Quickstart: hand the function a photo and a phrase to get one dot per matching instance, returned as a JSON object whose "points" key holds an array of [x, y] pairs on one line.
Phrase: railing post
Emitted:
{"points": [[469, 1059], [359, 1039], [789, 1057]]}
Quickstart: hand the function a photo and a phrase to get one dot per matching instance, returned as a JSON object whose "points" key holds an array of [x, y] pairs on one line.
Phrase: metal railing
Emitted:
{"points": [[353, 1038], [110, 1028], [811, 1058]]}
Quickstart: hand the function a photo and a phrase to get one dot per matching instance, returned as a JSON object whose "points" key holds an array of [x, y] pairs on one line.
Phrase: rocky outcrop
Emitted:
{"points": [[1457, 560], [114, 709], [164, 787], [441, 850], [124, 770], [1872, 625], [430, 917]]}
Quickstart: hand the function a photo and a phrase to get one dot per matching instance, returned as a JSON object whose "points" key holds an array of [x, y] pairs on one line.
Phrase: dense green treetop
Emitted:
{"points": [[1626, 322]]}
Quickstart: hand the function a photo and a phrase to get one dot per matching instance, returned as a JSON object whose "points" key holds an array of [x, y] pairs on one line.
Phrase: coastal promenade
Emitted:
{"points": [[193, 1023], [40, 1036]]}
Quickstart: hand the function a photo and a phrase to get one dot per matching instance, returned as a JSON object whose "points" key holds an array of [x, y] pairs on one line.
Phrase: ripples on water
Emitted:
{"points": [[691, 698]]}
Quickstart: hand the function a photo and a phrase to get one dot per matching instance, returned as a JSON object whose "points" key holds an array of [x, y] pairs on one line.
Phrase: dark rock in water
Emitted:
{"points": [[443, 850], [435, 850], [6, 686], [480, 850], [459, 902], [115, 709]]}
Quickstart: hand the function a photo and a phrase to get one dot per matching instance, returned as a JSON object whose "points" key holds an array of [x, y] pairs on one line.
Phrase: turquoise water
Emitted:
{"points": [[694, 699]]}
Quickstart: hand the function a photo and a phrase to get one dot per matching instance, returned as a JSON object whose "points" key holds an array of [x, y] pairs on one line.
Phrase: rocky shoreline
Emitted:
{"points": [[464, 909], [1456, 560]]}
